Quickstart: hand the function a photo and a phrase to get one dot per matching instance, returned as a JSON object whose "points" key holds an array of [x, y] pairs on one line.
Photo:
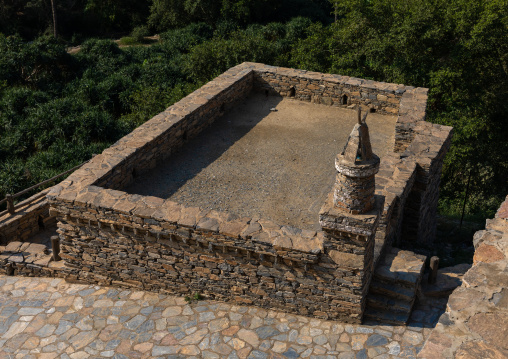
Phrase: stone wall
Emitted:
{"points": [[111, 237], [474, 324], [328, 89], [154, 141], [412, 112], [394, 182], [160, 245], [429, 147], [420, 142], [28, 219]]}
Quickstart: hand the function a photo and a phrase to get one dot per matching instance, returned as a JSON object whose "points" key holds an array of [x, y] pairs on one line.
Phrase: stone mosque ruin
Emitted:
{"points": [[249, 190]]}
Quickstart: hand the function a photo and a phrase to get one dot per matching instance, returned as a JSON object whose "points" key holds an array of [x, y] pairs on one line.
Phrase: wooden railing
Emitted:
{"points": [[9, 198]]}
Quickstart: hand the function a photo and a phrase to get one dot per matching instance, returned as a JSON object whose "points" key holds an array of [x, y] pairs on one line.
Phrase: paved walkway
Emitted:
{"points": [[50, 318]]}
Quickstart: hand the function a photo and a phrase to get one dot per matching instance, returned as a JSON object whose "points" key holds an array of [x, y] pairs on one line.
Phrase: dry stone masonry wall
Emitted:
{"points": [[416, 141], [30, 217], [111, 237], [474, 324], [328, 89], [428, 149], [155, 140], [160, 245]]}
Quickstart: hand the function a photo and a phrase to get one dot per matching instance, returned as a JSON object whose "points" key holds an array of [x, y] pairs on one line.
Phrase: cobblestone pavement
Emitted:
{"points": [[50, 318]]}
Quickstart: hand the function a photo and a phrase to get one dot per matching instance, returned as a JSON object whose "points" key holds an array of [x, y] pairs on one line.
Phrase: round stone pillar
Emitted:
{"points": [[356, 166]]}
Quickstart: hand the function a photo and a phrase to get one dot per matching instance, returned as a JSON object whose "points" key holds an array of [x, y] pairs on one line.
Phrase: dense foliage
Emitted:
{"points": [[77, 19], [458, 49], [57, 109]]}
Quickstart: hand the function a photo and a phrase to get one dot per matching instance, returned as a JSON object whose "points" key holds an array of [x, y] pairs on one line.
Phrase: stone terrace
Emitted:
{"points": [[254, 162], [49, 318], [110, 237]]}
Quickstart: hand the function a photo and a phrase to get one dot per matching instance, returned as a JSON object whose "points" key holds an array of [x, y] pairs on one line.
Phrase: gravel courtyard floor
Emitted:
{"points": [[50, 318], [254, 162]]}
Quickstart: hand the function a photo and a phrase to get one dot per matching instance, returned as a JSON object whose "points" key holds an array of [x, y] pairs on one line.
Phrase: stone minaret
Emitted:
{"points": [[356, 166]]}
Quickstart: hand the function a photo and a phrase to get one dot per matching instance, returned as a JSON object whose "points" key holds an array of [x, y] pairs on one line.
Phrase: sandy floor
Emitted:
{"points": [[254, 162]]}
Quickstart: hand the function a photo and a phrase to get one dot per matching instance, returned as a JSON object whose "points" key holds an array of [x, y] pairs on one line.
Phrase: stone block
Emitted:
{"points": [[347, 260]]}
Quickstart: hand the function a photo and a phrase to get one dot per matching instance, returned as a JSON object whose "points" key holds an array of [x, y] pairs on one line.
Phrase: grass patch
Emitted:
{"points": [[128, 41]]}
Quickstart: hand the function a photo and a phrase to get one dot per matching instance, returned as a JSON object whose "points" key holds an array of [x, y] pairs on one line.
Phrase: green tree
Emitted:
{"points": [[456, 48]]}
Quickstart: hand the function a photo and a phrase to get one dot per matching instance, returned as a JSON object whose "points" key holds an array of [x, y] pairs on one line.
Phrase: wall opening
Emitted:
{"points": [[344, 100], [40, 222], [184, 136], [292, 91], [372, 110], [222, 108]]}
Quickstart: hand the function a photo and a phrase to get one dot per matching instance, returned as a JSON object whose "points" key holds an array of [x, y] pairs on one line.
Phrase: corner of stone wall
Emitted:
{"points": [[412, 111], [25, 222], [428, 148], [475, 322], [349, 244]]}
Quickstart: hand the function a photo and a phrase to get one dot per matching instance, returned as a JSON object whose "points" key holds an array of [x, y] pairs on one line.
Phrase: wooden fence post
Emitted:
{"points": [[10, 203], [55, 245], [434, 265]]}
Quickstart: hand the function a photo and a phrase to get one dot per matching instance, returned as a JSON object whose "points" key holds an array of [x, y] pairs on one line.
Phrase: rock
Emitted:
{"points": [[492, 327], [266, 332], [82, 339], [218, 325], [437, 347], [488, 254], [164, 350], [376, 340], [464, 298], [249, 336], [194, 338], [478, 350]]}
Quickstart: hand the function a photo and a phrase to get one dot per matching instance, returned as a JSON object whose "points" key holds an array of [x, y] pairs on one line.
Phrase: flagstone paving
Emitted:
{"points": [[50, 318]]}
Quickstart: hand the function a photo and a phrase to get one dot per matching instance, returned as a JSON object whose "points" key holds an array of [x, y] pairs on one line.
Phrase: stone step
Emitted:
{"points": [[384, 303], [386, 317], [404, 268], [26, 253], [392, 290]]}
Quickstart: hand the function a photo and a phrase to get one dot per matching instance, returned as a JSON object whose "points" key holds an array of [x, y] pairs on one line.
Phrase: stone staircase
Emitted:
{"points": [[394, 285], [29, 257]]}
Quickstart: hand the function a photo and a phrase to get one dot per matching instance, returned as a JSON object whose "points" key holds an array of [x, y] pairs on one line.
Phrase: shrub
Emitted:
{"points": [[139, 33], [128, 41], [182, 40]]}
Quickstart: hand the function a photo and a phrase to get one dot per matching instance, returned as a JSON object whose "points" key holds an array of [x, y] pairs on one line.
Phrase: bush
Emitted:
{"points": [[182, 40], [139, 33], [128, 41], [41, 64]]}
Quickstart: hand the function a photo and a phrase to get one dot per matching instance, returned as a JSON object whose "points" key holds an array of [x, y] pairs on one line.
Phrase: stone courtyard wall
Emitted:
{"points": [[475, 322], [111, 237], [328, 89], [28, 219], [160, 245], [416, 141], [154, 141], [429, 147]]}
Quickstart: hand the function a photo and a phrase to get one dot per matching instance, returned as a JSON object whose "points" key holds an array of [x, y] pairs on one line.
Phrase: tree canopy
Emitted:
{"points": [[56, 109]]}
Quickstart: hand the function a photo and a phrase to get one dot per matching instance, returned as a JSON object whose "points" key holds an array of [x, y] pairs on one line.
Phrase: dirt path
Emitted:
{"points": [[151, 39]]}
